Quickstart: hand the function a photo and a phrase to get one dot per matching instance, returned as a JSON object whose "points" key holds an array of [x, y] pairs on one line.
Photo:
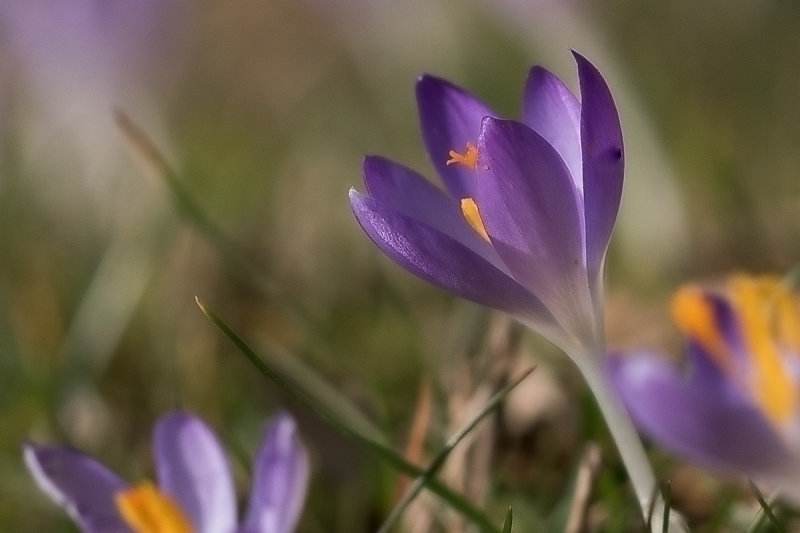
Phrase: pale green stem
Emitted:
{"points": [[622, 430], [627, 440]]}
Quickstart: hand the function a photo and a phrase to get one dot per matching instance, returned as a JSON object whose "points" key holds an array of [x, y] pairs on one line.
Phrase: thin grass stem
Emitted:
{"points": [[441, 457], [342, 415], [238, 263], [768, 514]]}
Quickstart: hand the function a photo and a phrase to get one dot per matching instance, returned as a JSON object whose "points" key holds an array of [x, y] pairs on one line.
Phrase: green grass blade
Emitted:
{"points": [[768, 514], [509, 521], [440, 458], [236, 260], [311, 390], [667, 492], [651, 508]]}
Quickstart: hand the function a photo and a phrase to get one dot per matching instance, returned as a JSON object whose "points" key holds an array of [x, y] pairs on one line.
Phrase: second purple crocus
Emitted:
{"points": [[735, 407], [195, 492], [524, 222]]}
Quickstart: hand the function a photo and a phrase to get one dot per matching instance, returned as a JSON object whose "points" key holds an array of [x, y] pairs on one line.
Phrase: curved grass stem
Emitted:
{"points": [[312, 391], [438, 461]]}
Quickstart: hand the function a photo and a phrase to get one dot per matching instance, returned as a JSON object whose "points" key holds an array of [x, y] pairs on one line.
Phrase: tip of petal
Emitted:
{"points": [[280, 478], [177, 417], [370, 160], [490, 125], [283, 428], [426, 83], [29, 446], [373, 162], [427, 79], [539, 73], [365, 161], [356, 198], [431, 89], [582, 62], [498, 130], [31, 452], [35, 457], [591, 79]]}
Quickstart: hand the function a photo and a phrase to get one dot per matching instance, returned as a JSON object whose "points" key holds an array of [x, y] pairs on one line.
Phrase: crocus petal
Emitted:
{"points": [[700, 415], [531, 210], [83, 486], [280, 479], [80, 31], [443, 261], [603, 163], [727, 322], [193, 470], [450, 117], [725, 319], [550, 109], [405, 191]]}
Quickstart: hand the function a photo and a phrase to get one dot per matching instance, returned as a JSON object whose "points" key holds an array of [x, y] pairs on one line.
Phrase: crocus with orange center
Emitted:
{"points": [[525, 218], [524, 222], [195, 492], [735, 407]]}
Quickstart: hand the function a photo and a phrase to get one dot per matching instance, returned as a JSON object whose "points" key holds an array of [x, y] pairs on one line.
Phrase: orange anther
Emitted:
{"points": [[469, 158], [148, 510]]}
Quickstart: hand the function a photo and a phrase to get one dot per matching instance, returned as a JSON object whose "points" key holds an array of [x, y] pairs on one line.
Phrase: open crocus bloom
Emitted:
{"points": [[735, 407], [195, 491], [524, 223]]}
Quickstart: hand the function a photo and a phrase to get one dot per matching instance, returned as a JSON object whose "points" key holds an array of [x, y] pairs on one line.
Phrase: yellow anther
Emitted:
{"points": [[695, 318], [147, 510], [469, 158], [760, 302], [470, 210]]}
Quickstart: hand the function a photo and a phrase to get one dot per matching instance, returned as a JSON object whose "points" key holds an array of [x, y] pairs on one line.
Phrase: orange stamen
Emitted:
{"points": [[148, 510], [469, 158]]}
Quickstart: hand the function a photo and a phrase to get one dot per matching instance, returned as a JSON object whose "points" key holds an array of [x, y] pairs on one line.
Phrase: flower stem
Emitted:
{"points": [[628, 443]]}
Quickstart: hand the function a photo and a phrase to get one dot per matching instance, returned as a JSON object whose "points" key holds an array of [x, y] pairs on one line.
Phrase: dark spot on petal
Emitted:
{"points": [[609, 154]]}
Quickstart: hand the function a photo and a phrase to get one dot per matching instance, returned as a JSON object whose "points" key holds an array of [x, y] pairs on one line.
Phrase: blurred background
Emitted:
{"points": [[265, 109]]}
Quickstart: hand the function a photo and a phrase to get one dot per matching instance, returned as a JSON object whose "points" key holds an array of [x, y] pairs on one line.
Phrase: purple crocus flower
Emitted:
{"points": [[735, 408], [529, 206], [81, 37], [76, 60], [524, 222], [195, 491]]}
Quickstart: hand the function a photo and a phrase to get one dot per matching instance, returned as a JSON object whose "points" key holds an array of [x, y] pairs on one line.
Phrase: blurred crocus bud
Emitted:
{"points": [[73, 61]]}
